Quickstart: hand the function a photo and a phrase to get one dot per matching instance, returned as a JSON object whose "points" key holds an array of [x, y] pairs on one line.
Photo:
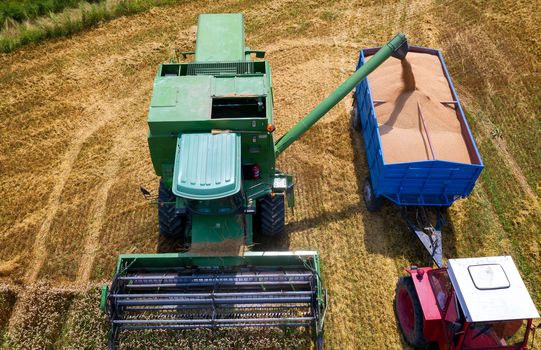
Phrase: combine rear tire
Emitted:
{"points": [[409, 314], [171, 224], [372, 202], [271, 215]]}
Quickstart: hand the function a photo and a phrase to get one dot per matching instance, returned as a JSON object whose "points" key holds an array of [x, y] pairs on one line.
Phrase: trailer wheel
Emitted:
{"points": [[271, 215], [355, 121], [372, 202], [409, 314], [171, 224]]}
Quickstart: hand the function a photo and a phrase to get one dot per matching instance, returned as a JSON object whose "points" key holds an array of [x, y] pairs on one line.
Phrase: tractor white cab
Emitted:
{"points": [[474, 303]]}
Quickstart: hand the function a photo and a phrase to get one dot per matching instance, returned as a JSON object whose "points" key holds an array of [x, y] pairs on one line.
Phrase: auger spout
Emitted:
{"points": [[397, 47]]}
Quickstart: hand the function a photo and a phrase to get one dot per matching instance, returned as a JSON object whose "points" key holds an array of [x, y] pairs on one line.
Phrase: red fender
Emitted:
{"points": [[431, 314]]}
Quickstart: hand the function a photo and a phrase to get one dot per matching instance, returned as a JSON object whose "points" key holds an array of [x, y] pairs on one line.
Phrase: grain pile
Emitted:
{"points": [[407, 75], [406, 92]]}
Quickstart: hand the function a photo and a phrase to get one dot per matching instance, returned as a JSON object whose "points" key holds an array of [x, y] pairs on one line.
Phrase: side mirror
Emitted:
{"points": [[455, 327]]}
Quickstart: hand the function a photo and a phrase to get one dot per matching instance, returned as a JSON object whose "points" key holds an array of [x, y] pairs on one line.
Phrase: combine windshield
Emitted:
{"points": [[496, 335]]}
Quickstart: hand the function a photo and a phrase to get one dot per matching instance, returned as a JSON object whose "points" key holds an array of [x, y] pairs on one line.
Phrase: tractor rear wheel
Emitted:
{"points": [[271, 215], [409, 314], [171, 224], [372, 202]]}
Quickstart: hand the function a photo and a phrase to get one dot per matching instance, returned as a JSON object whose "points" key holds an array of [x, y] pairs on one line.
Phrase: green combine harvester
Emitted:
{"points": [[211, 141]]}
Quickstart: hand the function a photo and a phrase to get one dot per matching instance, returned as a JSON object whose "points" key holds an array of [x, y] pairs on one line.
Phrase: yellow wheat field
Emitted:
{"points": [[73, 153]]}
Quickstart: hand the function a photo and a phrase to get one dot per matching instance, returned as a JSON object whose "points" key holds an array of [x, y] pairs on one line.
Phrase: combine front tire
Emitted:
{"points": [[271, 214], [409, 314], [171, 224]]}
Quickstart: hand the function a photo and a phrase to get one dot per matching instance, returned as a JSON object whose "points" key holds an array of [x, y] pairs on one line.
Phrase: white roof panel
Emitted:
{"points": [[490, 289]]}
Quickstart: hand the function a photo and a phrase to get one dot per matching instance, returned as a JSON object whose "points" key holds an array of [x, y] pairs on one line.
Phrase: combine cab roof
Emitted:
{"points": [[207, 166], [490, 289]]}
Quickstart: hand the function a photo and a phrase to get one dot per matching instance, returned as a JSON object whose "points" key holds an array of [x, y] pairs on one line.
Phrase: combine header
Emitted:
{"points": [[185, 291], [211, 141]]}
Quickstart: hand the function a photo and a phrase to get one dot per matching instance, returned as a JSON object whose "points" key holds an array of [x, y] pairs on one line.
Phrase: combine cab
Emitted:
{"points": [[475, 303], [211, 141]]}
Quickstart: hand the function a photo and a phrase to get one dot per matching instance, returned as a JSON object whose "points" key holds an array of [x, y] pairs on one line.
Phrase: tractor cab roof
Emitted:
{"points": [[490, 289]]}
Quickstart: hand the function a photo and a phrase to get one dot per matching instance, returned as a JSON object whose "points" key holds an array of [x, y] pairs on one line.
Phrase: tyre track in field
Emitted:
{"points": [[98, 210], [39, 250]]}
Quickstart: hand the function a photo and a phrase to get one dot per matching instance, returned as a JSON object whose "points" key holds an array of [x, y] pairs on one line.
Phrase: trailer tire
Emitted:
{"points": [[409, 314], [355, 121], [372, 202], [271, 215], [172, 225]]}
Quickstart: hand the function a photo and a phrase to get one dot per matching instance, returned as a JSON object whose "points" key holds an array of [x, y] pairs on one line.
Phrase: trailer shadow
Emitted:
{"points": [[326, 216], [385, 232]]}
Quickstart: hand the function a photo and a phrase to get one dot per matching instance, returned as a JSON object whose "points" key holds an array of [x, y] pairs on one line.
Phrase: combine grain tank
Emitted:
{"points": [[419, 147]]}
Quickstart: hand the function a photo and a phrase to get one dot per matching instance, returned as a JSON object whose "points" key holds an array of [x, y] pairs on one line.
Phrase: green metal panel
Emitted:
{"points": [[164, 261], [220, 37], [240, 85], [180, 98], [207, 166], [164, 97]]}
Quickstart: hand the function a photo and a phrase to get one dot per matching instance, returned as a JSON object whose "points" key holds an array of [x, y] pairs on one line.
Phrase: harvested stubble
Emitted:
{"points": [[7, 301], [238, 339], [414, 124], [86, 326], [38, 317]]}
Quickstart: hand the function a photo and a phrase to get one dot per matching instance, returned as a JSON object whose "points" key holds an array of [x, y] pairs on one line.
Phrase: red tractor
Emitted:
{"points": [[475, 303]]}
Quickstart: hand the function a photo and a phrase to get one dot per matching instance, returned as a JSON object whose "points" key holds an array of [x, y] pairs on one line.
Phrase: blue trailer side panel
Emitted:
{"points": [[427, 182]]}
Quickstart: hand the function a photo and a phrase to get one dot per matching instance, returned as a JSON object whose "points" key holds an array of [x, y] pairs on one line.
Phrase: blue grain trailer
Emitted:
{"points": [[415, 185]]}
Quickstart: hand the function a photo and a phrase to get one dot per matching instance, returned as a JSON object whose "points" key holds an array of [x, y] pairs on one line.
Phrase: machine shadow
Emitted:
{"points": [[271, 243], [314, 222], [168, 245], [261, 243]]}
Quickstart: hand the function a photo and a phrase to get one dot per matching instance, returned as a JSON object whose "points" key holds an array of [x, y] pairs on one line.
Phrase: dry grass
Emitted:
{"points": [[38, 317], [266, 339], [86, 326], [7, 301], [73, 153]]}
